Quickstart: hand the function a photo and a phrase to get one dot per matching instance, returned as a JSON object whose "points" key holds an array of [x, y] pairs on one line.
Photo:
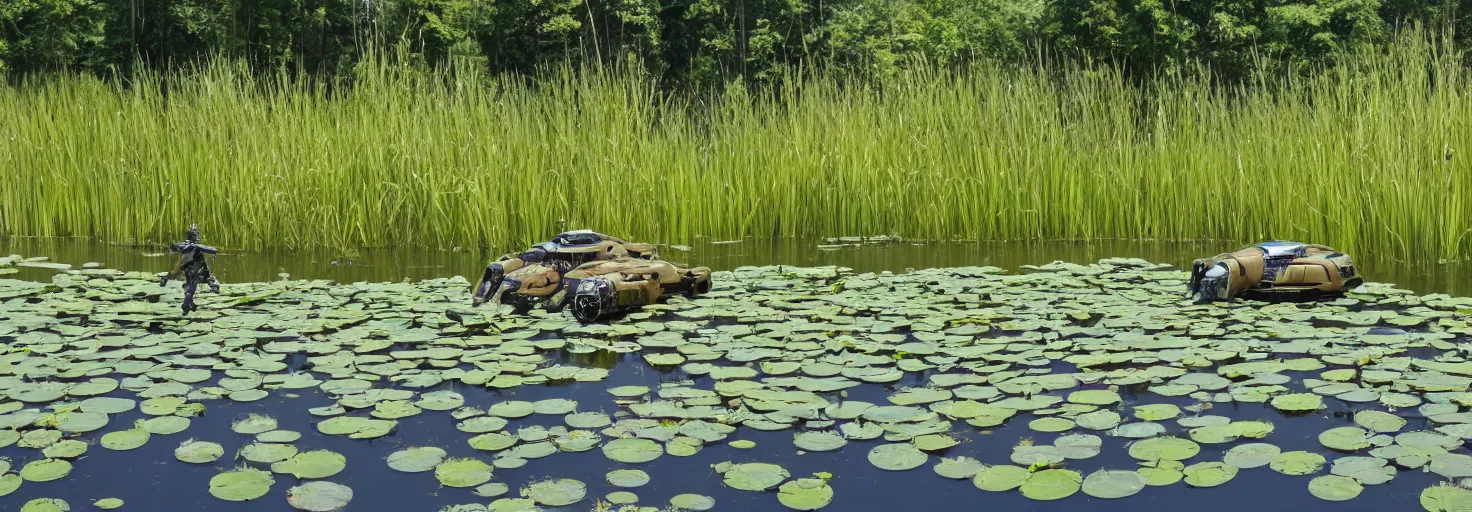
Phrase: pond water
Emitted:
{"points": [[377, 265], [1030, 327]]}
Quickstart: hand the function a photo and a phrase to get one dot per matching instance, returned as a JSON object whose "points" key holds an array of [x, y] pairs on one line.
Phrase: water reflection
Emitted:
{"points": [[415, 264]]}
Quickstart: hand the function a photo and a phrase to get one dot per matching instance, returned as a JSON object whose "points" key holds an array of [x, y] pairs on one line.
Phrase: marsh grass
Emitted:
{"points": [[1371, 155]]}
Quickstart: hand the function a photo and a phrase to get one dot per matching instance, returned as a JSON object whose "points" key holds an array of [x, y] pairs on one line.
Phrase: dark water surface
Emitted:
{"points": [[376, 265], [150, 479]]}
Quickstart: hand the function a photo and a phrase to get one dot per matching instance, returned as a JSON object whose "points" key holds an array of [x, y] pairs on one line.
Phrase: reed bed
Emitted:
{"points": [[1371, 155]]}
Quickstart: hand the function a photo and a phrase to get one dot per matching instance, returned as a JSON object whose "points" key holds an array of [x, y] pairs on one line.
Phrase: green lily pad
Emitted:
{"points": [[67, 449], [1051, 424], [46, 505], [1156, 412], [621, 498], [629, 391], [1365, 470], [1209, 474], [627, 478], [198, 452], [556, 493], [108, 503], [416, 459], [356, 427], [1052, 484], [742, 444], [1379, 421], [1446, 498], [1298, 402], [125, 439], [491, 490], [1094, 397], [267, 453], [511, 409], [166, 425], [1334, 488], [312, 464], [1113, 484], [279, 436], [694, 502], [1162, 473], [959, 468], [1000, 478], [755, 476], [805, 494], [1098, 420], [1297, 463], [9, 482], [632, 451], [818, 441], [1251, 455], [242, 484], [1345, 438], [1164, 448], [462, 473], [254, 424], [319, 496], [934, 442], [897, 457], [45, 470]]}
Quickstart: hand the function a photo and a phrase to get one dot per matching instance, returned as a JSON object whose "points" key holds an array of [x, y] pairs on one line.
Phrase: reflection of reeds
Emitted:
{"points": [[1356, 158]]}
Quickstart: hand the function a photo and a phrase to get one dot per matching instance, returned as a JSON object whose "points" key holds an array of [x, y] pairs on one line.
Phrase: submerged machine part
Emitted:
{"points": [[192, 267], [1278, 268], [598, 275]]}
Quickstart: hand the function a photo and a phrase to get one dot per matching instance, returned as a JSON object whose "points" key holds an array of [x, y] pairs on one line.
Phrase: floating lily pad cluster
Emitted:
{"points": [[1052, 350]]}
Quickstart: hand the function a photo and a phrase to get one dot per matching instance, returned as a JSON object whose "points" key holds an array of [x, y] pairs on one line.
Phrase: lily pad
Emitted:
{"points": [[1209, 474], [254, 424], [1297, 463], [1345, 438], [462, 473], [1051, 484], [805, 494], [45, 470], [312, 464], [319, 496], [1379, 421], [198, 452], [1112, 484], [556, 493], [693, 502], [125, 439], [1164, 448], [1298, 402], [632, 451], [755, 476], [1000, 478], [242, 484], [627, 478], [819, 441], [959, 468], [1334, 488], [1251, 455]]}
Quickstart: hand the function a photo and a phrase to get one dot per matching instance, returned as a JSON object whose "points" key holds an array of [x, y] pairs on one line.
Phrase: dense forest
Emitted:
{"points": [[697, 42]]}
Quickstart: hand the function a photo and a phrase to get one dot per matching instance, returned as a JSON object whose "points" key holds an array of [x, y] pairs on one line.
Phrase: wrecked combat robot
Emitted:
{"points": [[192, 267], [1281, 269], [620, 276]]}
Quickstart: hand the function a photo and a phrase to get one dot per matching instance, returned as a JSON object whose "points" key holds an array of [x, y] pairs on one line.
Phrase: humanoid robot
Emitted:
{"points": [[192, 267]]}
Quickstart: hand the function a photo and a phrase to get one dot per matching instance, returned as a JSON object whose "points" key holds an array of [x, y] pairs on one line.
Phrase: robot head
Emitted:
{"points": [[1208, 283], [593, 298], [192, 236]]}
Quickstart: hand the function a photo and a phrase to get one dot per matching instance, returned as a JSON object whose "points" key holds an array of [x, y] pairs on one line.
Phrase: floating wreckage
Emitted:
{"points": [[1279, 268], [192, 267], [598, 275]]}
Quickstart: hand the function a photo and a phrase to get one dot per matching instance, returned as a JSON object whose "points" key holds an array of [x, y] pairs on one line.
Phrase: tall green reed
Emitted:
{"points": [[1371, 155]]}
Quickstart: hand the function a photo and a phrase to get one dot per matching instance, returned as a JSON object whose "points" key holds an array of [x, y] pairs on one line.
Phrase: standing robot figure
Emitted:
{"points": [[192, 267]]}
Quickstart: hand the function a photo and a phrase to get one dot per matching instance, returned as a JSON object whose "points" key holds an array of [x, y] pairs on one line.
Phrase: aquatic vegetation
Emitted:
{"points": [[1066, 351], [1372, 152]]}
